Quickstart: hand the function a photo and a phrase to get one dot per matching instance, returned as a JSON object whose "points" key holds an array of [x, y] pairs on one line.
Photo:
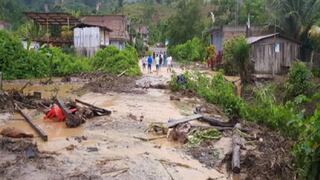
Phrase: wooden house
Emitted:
{"points": [[273, 53], [218, 35], [118, 24], [90, 37]]}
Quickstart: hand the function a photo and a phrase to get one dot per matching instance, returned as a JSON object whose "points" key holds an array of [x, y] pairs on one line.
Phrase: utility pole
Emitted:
{"points": [[237, 12]]}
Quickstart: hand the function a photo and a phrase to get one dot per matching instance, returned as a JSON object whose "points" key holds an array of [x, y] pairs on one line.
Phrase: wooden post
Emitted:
{"points": [[236, 144], [42, 134], [0, 81]]}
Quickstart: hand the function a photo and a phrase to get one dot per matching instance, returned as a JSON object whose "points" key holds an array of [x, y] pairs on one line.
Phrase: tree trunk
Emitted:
{"points": [[236, 144]]}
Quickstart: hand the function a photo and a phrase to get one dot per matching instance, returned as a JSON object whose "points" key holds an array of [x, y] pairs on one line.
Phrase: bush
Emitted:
{"points": [[192, 50], [307, 150], [264, 109], [111, 60], [235, 56], [299, 80], [215, 90], [62, 64]]}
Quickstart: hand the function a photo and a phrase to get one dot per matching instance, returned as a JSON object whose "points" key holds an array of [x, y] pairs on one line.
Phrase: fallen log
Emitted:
{"points": [[214, 121], [72, 120], [236, 144], [42, 134], [173, 123], [97, 111], [219, 128]]}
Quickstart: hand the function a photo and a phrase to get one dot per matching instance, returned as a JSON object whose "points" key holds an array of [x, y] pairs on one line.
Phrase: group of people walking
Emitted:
{"points": [[159, 60]]}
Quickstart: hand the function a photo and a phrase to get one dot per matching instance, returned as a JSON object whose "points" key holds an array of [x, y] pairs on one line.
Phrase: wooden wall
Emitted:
{"points": [[267, 61]]}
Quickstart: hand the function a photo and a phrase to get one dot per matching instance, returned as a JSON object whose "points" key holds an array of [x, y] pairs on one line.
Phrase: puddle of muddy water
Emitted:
{"points": [[55, 130], [61, 90], [142, 158]]}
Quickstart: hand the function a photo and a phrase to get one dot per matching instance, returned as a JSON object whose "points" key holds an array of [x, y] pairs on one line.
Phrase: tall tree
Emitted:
{"points": [[186, 23], [295, 18]]}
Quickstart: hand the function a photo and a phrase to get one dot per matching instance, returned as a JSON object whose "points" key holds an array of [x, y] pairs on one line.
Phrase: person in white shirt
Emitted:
{"points": [[169, 64], [157, 63]]}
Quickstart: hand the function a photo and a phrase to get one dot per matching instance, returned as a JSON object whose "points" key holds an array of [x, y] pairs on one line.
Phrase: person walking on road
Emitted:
{"points": [[144, 63], [149, 63], [157, 64], [161, 59]]}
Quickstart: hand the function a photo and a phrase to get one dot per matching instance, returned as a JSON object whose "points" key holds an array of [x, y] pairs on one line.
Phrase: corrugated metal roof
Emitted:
{"points": [[254, 39], [117, 23]]}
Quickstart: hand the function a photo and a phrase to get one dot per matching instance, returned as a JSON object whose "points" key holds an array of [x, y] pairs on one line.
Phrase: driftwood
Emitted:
{"points": [[96, 110], [42, 134], [236, 145], [121, 74], [214, 121], [72, 120], [25, 86], [173, 123]]}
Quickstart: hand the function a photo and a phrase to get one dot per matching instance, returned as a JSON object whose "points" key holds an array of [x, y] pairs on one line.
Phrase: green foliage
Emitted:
{"points": [[192, 50], [307, 150], [210, 52], [215, 90], [113, 61], [265, 110], [229, 67], [186, 23], [236, 57], [195, 138], [62, 64], [299, 80]]}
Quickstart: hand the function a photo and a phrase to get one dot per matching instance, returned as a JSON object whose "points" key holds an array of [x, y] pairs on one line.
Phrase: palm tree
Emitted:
{"points": [[295, 18], [314, 36]]}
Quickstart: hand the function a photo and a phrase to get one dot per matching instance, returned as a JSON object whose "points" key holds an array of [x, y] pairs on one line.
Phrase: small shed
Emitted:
{"points": [[89, 38], [118, 24], [273, 53]]}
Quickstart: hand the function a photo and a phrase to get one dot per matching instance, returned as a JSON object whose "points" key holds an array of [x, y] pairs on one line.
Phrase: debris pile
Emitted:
{"points": [[102, 83], [25, 146], [9, 99], [152, 82]]}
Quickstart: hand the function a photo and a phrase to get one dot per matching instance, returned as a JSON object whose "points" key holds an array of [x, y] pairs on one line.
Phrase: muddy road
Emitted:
{"points": [[131, 143], [109, 147]]}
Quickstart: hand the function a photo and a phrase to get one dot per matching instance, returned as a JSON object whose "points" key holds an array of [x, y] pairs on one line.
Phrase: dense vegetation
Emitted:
{"points": [[18, 63], [286, 115], [192, 50]]}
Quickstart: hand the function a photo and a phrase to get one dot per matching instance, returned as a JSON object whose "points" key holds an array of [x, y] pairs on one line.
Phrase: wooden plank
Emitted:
{"points": [[174, 122], [97, 110], [72, 121], [42, 134]]}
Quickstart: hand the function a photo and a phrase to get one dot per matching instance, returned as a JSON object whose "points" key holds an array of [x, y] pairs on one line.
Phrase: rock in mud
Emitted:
{"points": [[174, 98], [25, 146], [15, 133], [92, 149], [179, 133]]}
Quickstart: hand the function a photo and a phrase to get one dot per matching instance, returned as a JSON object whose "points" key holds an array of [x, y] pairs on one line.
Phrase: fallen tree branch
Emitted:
{"points": [[173, 123], [214, 121], [236, 145]]}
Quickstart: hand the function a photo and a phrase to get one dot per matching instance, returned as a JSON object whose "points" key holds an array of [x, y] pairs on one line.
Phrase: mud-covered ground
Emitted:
{"points": [[120, 146]]}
